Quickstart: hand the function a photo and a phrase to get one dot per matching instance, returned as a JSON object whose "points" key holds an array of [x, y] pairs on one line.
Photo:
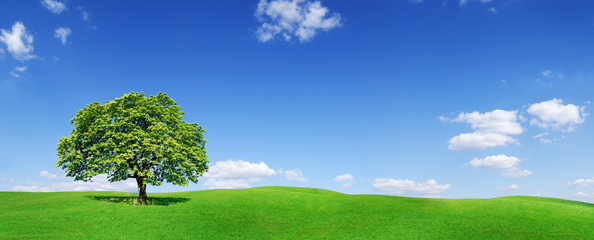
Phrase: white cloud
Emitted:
{"points": [[295, 175], [62, 34], [20, 69], [18, 43], [99, 183], [583, 195], [479, 141], [236, 174], [408, 187], [497, 121], [14, 74], [495, 162], [346, 179], [516, 172], [443, 119], [54, 6], [509, 163], [510, 187], [546, 73], [581, 183], [491, 130], [486, 1], [493, 10], [287, 18], [463, 3], [86, 17], [553, 114], [48, 175]]}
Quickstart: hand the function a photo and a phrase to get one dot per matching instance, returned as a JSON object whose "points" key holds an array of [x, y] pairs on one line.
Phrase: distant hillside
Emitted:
{"points": [[287, 213]]}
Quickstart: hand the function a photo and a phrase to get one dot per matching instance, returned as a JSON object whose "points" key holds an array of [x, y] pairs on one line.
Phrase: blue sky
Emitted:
{"points": [[455, 99]]}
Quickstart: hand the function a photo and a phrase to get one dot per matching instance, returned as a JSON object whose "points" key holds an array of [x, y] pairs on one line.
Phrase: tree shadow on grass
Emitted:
{"points": [[157, 201]]}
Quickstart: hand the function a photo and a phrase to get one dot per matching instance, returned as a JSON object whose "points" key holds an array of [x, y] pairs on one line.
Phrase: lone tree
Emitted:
{"points": [[134, 137]]}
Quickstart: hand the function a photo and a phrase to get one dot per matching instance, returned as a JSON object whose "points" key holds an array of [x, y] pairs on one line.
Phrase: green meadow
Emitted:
{"points": [[287, 213]]}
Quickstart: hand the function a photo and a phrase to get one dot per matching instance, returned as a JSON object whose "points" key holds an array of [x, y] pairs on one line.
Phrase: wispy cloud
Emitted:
{"points": [[48, 175], [18, 71], [293, 18], [54, 6], [86, 17], [62, 33]]}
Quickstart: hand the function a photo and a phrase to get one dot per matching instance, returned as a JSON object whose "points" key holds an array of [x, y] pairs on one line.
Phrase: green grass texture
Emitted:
{"points": [[287, 213]]}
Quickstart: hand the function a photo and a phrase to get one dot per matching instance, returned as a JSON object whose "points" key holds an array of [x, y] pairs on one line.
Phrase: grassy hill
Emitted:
{"points": [[287, 213]]}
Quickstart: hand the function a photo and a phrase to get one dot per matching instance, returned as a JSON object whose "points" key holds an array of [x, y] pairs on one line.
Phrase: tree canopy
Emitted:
{"points": [[134, 137]]}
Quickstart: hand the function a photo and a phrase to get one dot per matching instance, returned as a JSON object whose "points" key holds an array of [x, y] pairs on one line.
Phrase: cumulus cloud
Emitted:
{"points": [[97, 183], [54, 6], [232, 174], [408, 187], [479, 141], [48, 175], [293, 18], [581, 183], [553, 114], [491, 129], [495, 162], [18, 42], [62, 34], [508, 163], [346, 179], [295, 175]]}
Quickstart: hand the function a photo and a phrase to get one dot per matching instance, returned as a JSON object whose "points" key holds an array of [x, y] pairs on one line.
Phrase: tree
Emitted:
{"points": [[134, 137]]}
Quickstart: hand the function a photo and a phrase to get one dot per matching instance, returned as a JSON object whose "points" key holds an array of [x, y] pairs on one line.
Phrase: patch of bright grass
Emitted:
{"points": [[287, 213]]}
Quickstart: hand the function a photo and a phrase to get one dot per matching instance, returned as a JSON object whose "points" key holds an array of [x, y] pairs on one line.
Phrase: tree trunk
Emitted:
{"points": [[141, 190]]}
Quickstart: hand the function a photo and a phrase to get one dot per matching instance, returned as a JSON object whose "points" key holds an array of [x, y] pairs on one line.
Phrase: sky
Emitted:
{"points": [[448, 99]]}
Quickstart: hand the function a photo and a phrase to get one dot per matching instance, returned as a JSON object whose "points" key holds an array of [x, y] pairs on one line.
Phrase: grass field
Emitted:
{"points": [[287, 213]]}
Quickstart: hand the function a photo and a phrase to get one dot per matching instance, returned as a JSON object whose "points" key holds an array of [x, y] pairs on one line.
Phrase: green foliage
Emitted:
{"points": [[134, 137], [288, 213]]}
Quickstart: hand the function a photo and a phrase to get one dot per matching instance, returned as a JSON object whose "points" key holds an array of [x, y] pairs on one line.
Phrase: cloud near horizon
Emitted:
{"points": [[97, 183], [232, 174], [408, 187], [346, 179], [295, 175]]}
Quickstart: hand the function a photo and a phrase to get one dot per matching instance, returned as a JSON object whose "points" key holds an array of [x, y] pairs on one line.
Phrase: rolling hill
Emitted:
{"points": [[287, 213]]}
